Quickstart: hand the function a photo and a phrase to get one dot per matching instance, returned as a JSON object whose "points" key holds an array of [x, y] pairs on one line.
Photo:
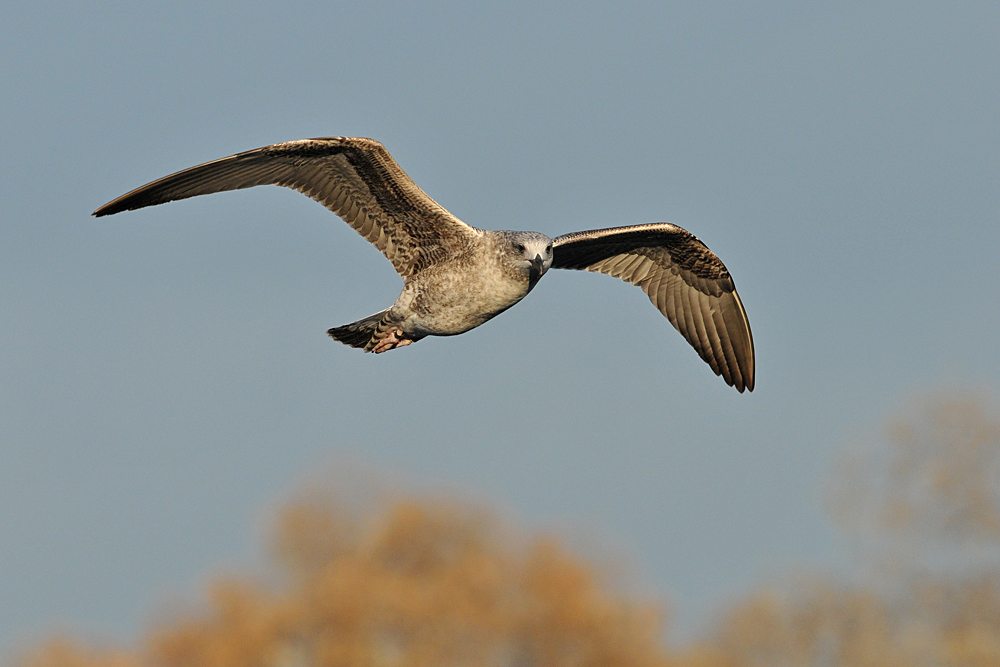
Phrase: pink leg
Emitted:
{"points": [[393, 340]]}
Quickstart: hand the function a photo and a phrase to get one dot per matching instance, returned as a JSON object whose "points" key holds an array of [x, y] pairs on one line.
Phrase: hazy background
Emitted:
{"points": [[166, 376]]}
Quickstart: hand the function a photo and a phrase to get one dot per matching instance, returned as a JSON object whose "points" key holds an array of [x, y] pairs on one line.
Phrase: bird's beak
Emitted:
{"points": [[536, 271], [538, 263]]}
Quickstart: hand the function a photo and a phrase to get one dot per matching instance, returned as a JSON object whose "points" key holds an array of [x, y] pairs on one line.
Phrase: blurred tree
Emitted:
{"points": [[932, 484], [423, 583], [61, 652], [928, 497], [433, 583]]}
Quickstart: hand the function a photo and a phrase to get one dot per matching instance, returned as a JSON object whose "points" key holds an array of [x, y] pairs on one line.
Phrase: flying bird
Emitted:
{"points": [[456, 277]]}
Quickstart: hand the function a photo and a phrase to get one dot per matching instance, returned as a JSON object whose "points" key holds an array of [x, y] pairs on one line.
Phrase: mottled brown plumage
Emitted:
{"points": [[456, 277], [355, 178], [683, 279]]}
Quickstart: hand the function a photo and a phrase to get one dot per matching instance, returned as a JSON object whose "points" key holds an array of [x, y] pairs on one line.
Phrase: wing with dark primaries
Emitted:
{"points": [[355, 178], [683, 279]]}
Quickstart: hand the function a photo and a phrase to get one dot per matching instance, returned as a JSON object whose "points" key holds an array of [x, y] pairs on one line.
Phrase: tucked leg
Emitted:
{"points": [[393, 340]]}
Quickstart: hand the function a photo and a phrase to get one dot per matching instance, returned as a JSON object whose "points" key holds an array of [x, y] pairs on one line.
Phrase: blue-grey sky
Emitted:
{"points": [[165, 377]]}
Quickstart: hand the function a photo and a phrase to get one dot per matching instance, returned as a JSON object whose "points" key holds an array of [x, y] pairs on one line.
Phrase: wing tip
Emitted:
{"points": [[126, 202], [740, 376], [111, 209], [744, 378], [739, 383]]}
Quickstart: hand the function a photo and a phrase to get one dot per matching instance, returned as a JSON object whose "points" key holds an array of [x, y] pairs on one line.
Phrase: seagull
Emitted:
{"points": [[455, 276]]}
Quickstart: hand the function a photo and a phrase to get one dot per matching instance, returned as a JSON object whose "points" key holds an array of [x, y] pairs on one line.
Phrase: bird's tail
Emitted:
{"points": [[363, 333]]}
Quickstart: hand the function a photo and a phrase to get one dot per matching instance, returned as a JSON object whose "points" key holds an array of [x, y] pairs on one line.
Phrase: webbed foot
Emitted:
{"points": [[393, 340]]}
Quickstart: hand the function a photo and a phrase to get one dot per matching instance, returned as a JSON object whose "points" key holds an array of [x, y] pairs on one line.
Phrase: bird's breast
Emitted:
{"points": [[454, 299]]}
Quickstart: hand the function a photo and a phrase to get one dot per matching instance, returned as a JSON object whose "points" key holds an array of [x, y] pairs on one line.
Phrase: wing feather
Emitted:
{"points": [[710, 335], [693, 313], [355, 178], [682, 278], [725, 342]]}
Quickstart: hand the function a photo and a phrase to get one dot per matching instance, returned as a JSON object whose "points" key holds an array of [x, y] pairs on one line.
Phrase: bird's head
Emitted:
{"points": [[531, 253]]}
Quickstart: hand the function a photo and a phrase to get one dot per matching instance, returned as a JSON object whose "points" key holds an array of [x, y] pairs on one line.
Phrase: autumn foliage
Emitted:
{"points": [[422, 582], [921, 504]]}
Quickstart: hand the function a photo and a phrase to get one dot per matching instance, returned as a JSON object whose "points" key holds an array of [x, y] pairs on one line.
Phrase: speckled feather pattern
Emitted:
{"points": [[456, 277], [684, 280]]}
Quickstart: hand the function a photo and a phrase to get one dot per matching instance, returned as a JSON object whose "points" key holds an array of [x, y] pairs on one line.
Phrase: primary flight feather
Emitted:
{"points": [[456, 277]]}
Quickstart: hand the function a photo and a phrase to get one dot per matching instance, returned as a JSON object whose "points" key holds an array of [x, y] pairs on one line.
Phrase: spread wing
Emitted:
{"points": [[355, 178], [684, 280]]}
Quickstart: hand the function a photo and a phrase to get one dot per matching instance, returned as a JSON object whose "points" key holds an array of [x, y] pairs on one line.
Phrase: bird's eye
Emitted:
{"points": [[548, 248], [520, 247]]}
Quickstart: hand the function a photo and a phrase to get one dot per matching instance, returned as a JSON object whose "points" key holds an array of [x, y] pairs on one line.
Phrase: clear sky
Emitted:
{"points": [[165, 377]]}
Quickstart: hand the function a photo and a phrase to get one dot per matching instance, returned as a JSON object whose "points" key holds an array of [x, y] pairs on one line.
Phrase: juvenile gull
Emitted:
{"points": [[456, 277]]}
